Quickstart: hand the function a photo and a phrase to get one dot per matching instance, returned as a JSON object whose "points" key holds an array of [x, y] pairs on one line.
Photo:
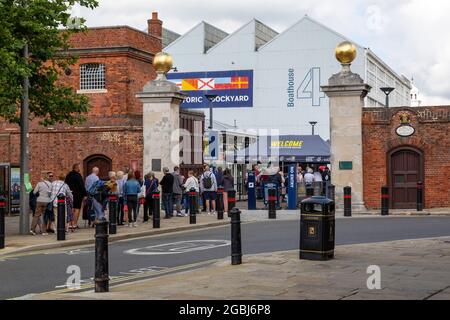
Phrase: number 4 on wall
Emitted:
{"points": [[310, 88]]}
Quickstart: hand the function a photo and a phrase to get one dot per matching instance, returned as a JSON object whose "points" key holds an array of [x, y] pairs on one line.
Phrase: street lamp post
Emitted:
{"points": [[24, 206], [313, 124], [387, 91], [210, 98]]}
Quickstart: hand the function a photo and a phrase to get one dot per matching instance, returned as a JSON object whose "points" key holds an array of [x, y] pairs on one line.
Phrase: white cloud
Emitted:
{"points": [[410, 35]]}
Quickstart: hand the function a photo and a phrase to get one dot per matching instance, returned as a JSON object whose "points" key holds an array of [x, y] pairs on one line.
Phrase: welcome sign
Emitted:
{"points": [[293, 144], [234, 89]]}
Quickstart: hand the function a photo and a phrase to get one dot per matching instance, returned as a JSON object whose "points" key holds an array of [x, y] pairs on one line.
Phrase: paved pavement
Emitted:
{"points": [[152, 256], [411, 269]]}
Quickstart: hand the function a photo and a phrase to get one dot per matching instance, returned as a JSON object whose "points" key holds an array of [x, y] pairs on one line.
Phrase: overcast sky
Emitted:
{"points": [[412, 36]]}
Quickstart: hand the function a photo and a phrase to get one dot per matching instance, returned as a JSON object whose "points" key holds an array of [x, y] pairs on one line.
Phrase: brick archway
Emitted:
{"points": [[98, 160]]}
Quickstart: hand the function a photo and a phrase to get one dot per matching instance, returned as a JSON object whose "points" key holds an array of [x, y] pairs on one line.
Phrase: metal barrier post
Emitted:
{"points": [[220, 204], [61, 225], [272, 203], [384, 201], [113, 201], [332, 192], [2, 221], [231, 201], [309, 191], [419, 196], [347, 202], [101, 257], [192, 206], [156, 210], [236, 246]]}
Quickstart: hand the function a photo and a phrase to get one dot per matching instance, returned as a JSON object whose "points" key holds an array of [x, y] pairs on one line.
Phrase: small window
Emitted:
{"points": [[92, 76]]}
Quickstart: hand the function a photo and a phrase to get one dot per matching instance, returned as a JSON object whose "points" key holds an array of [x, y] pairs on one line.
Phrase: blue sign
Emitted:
{"points": [[292, 187], [233, 89]]}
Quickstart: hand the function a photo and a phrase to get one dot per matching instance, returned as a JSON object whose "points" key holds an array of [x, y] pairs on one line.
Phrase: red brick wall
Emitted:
{"points": [[58, 151], [432, 137], [124, 75], [121, 36]]}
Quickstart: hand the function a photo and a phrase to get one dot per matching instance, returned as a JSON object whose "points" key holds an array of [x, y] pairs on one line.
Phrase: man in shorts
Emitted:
{"points": [[208, 184]]}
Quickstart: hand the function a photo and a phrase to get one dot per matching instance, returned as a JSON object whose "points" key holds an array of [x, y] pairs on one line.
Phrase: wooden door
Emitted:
{"points": [[406, 172], [102, 162]]}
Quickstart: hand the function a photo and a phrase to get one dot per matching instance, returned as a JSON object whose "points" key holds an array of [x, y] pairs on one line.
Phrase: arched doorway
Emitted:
{"points": [[405, 171], [100, 161]]}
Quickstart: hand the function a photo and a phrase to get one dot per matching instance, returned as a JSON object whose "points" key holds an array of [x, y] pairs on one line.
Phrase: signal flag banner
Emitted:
{"points": [[234, 89]]}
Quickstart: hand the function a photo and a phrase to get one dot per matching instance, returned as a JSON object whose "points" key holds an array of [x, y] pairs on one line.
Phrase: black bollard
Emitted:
{"points": [[309, 192], [385, 201], [2, 221], [220, 204], [156, 210], [231, 201], [192, 206], [113, 201], [419, 196], [61, 227], [272, 201], [332, 192], [324, 189], [101, 257], [347, 202], [236, 246]]}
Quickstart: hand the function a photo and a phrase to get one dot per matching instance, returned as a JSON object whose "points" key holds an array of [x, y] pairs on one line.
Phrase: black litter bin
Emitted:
{"points": [[317, 229]]}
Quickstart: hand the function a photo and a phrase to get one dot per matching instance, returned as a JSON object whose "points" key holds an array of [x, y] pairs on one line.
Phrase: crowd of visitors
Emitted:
{"points": [[88, 198]]}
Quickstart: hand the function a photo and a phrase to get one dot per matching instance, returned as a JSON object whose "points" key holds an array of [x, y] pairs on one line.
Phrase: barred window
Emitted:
{"points": [[92, 76]]}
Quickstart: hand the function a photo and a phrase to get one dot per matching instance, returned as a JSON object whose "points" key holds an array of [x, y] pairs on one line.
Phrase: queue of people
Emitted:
{"points": [[89, 198]]}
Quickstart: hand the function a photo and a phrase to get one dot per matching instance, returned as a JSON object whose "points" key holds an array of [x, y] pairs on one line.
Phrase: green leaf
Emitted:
{"points": [[38, 23]]}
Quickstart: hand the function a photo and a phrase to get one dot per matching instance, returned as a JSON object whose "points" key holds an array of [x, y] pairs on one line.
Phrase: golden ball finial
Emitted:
{"points": [[163, 62], [346, 52]]}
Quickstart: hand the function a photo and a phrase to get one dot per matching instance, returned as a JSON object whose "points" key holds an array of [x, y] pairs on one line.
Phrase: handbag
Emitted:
{"points": [[143, 192], [49, 207]]}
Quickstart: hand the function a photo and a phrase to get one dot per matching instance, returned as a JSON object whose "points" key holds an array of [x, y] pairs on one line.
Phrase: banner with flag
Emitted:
{"points": [[231, 89]]}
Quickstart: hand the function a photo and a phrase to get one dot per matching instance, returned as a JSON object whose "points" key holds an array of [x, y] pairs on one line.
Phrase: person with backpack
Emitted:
{"points": [[167, 193], [131, 190], [151, 187], [208, 184], [309, 178], [98, 193]]}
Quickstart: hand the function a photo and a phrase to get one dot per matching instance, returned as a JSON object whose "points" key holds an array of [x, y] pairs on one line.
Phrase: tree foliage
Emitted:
{"points": [[45, 25]]}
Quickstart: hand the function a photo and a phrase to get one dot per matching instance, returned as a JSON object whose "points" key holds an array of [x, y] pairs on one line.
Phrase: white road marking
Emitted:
{"points": [[179, 247]]}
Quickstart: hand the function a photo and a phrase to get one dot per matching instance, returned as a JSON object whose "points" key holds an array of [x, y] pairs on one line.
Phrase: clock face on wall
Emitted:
{"points": [[405, 131]]}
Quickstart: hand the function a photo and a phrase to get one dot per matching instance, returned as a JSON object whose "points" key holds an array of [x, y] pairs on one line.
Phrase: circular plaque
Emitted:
{"points": [[405, 131]]}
